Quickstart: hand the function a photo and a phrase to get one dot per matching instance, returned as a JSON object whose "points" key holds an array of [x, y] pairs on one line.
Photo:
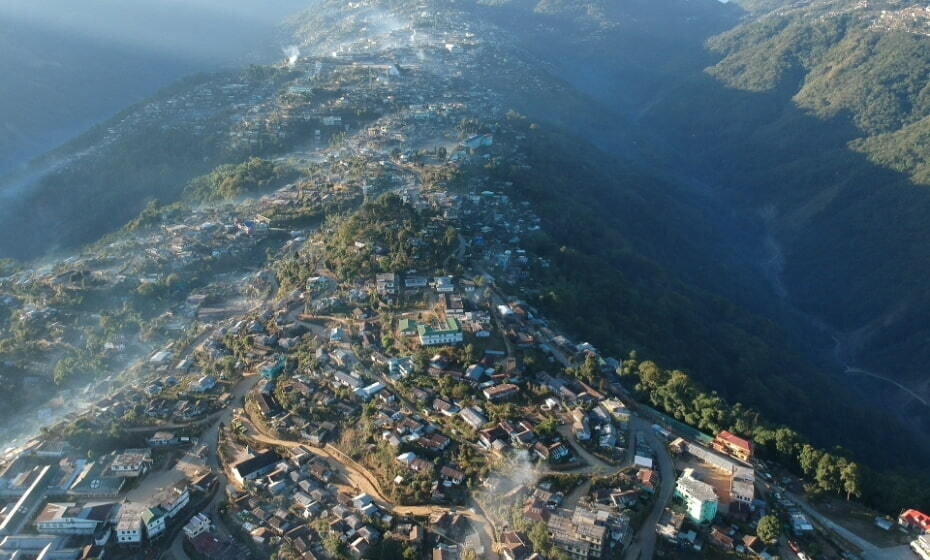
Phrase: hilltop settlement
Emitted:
{"points": [[333, 348]]}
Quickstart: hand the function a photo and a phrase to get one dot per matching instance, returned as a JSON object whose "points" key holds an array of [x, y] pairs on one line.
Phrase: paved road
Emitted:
{"points": [[869, 550], [210, 438], [596, 466], [644, 542]]}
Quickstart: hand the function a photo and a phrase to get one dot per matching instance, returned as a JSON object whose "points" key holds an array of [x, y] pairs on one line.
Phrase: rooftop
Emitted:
{"points": [[693, 487]]}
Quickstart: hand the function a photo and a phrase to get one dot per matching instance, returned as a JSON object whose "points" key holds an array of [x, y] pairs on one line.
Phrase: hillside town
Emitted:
{"points": [[348, 365]]}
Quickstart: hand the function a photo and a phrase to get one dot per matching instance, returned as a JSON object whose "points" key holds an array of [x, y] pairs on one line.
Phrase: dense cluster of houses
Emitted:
{"points": [[75, 508]]}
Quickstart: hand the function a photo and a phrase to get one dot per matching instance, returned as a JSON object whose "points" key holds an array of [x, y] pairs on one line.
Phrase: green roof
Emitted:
{"points": [[451, 326], [151, 514]]}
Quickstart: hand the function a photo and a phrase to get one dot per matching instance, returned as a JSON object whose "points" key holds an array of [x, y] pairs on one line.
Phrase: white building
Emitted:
{"points": [[699, 497], [444, 284], [174, 499], [198, 524], [131, 463], [72, 519], [129, 528], [154, 519], [450, 332], [921, 546]]}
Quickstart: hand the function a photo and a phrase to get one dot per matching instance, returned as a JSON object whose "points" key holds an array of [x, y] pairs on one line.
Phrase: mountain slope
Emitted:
{"points": [[815, 116], [649, 250]]}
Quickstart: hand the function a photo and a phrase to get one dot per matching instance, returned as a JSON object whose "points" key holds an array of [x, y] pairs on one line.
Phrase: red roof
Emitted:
{"points": [[915, 518], [734, 440]]}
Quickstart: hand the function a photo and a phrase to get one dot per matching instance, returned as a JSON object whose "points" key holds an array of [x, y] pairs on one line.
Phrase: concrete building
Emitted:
{"points": [[580, 533], [72, 519], [732, 445], [921, 546], [699, 497], [131, 463], [450, 332], [254, 467], [155, 521], [198, 524], [129, 529]]}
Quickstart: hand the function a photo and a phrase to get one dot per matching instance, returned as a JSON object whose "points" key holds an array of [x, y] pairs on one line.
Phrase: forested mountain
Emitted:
{"points": [[815, 117]]}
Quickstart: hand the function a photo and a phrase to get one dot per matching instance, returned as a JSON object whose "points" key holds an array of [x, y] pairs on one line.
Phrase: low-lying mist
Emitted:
{"points": [[65, 65]]}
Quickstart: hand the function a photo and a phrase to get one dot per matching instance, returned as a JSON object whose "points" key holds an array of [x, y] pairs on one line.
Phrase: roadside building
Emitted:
{"points": [[699, 497], [580, 533], [254, 467], [733, 446], [73, 519], [129, 529], [913, 520]]}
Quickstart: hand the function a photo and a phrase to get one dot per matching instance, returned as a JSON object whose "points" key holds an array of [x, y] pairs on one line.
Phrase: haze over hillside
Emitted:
{"points": [[78, 63]]}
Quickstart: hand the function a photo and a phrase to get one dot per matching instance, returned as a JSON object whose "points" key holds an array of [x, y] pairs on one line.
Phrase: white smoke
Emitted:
{"points": [[292, 52], [523, 474]]}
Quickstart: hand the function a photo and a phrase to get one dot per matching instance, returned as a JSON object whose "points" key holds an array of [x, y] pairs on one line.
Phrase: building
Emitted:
{"points": [[129, 529], [44, 547], [72, 519], [580, 533], [670, 524], [742, 476], [203, 384], [254, 467], [473, 417], [913, 520], [198, 524], [407, 327], [131, 463], [162, 439], [30, 499], [448, 332], [514, 546], [367, 393], [501, 392], [173, 499], [444, 284], [581, 427], [415, 282], [699, 497], [921, 546], [733, 446], [400, 367], [386, 283], [154, 520]]}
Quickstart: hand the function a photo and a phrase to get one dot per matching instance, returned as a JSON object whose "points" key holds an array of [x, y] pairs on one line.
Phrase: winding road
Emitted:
{"points": [[361, 480], [643, 544]]}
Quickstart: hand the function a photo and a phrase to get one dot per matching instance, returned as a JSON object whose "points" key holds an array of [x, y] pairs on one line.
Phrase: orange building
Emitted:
{"points": [[733, 446]]}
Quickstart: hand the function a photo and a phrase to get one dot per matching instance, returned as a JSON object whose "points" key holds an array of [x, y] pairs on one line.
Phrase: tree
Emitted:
{"points": [[547, 427], [590, 370], [539, 536], [786, 442], [808, 459], [851, 477], [769, 529], [827, 476], [333, 545]]}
